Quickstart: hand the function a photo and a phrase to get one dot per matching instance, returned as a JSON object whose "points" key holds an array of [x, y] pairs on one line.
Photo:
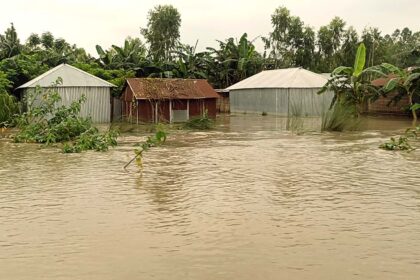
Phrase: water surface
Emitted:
{"points": [[249, 200]]}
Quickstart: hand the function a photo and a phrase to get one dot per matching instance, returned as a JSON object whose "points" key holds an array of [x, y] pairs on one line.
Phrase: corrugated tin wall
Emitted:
{"points": [[282, 102], [97, 104]]}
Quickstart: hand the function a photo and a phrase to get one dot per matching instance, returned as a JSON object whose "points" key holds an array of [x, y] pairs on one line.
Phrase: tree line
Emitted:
{"points": [[160, 53]]}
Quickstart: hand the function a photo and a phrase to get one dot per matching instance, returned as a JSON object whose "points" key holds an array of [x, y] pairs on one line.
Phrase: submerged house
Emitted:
{"points": [[167, 100], [282, 92], [76, 83], [385, 104], [223, 105]]}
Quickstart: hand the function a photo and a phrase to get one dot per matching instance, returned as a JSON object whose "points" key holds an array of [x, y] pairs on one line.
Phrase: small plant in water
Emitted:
{"points": [[152, 141], [403, 142], [397, 145]]}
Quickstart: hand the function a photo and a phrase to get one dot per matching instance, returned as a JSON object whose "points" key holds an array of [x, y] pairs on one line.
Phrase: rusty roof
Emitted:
{"points": [[380, 82], [157, 88]]}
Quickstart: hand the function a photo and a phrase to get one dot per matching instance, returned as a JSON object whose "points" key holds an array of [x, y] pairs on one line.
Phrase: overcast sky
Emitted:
{"points": [[90, 22]]}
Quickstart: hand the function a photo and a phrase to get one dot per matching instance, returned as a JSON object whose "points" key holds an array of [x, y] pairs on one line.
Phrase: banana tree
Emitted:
{"points": [[351, 85], [405, 82]]}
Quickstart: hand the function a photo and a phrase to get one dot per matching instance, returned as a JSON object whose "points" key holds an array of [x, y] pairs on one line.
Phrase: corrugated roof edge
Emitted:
{"points": [[32, 82]]}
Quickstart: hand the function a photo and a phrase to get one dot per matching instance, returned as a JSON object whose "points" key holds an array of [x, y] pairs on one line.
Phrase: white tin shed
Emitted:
{"points": [[281, 92], [76, 83]]}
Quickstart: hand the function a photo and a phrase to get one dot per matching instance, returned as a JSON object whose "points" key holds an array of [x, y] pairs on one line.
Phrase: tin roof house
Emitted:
{"points": [[76, 83], [280, 92], [167, 100]]}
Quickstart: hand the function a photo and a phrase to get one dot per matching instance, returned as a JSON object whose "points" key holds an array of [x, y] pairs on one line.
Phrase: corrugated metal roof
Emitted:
{"points": [[153, 88], [72, 77], [282, 78]]}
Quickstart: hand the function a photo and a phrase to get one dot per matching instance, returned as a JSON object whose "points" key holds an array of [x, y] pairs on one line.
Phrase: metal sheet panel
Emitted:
{"points": [[97, 104], [281, 102]]}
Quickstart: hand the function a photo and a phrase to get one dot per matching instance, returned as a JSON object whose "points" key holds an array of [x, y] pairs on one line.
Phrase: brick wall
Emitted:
{"points": [[380, 106]]}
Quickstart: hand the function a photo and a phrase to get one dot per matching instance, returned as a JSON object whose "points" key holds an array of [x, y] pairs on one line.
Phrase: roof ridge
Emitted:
{"points": [[36, 79], [84, 72]]}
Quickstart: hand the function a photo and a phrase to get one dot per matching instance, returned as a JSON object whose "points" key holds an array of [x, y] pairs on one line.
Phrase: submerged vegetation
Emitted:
{"points": [[157, 139], [339, 118], [8, 109], [47, 122], [404, 142], [200, 123]]}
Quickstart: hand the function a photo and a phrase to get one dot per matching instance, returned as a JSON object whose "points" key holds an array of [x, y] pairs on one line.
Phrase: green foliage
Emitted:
{"points": [[340, 118], [359, 62], [8, 108], [9, 43], [393, 144], [200, 123], [162, 32], [404, 82], [48, 123], [352, 86], [403, 142], [91, 139], [116, 76], [232, 62], [157, 139]]}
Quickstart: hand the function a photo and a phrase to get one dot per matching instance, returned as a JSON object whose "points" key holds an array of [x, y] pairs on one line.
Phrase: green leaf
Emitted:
{"points": [[342, 70], [360, 60], [391, 85], [411, 78], [415, 107]]}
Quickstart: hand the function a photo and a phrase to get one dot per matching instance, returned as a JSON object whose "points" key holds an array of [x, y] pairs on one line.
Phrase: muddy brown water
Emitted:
{"points": [[249, 200]]}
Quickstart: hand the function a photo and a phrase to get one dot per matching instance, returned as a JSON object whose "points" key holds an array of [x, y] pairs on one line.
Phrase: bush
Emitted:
{"points": [[8, 109], [48, 123], [200, 123], [91, 139], [341, 117]]}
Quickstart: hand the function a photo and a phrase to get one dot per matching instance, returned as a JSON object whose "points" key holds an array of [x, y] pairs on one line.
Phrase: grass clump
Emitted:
{"points": [[200, 123], [340, 118], [9, 107], [48, 123]]}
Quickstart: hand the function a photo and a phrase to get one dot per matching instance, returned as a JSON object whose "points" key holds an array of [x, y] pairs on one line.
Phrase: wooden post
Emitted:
{"points": [[170, 111]]}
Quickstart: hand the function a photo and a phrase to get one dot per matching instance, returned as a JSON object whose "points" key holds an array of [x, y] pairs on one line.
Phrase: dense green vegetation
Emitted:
{"points": [[290, 43], [49, 123]]}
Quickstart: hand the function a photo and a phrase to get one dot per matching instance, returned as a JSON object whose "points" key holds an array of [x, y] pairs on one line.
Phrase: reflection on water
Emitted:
{"points": [[249, 200]]}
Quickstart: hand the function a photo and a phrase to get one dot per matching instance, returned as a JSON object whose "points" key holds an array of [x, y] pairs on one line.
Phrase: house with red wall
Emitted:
{"points": [[167, 100]]}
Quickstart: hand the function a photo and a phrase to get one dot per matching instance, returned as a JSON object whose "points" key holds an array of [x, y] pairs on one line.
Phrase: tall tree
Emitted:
{"points": [[9, 43], [329, 42], [286, 41], [162, 32]]}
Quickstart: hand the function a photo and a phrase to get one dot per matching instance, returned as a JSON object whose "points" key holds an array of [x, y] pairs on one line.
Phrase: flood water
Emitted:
{"points": [[248, 200]]}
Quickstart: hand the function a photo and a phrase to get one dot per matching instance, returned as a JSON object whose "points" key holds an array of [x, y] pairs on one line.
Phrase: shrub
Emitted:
{"points": [[49, 123], [8, 108], [341, 117], [200, 123]]}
